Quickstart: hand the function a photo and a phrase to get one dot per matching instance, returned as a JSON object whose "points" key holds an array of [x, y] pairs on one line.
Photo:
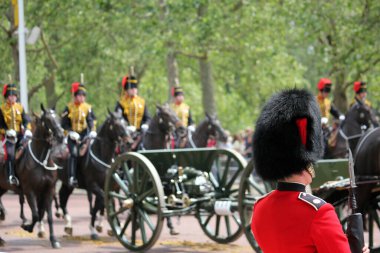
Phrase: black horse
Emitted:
{"points": [[37, 172], [161, 128], [208, 127], [91, 170], [358, 119]]}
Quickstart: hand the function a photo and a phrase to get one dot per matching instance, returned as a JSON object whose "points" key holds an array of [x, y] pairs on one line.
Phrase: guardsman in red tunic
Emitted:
{"points": [[133, 107], [14, 126], [79, 120], [286, 144]]}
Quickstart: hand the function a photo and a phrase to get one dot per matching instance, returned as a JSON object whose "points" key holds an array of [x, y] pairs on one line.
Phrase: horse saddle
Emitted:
{"points": [[83, 146]]}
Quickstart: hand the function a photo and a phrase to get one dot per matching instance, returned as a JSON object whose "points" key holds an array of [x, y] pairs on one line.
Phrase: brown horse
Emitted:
{"points": [[208, 127], [36, 171], [164, 123]]}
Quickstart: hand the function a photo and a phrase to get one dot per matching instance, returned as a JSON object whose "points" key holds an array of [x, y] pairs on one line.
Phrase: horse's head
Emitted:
{"points": [[361, 114], [48, 126], [214, 128], [116, 126], [169, 121]]}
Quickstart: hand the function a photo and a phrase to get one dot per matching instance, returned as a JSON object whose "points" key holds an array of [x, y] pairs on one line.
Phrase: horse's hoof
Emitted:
{"points": [[94, 237], [27, 227], [2, 242], [41, 234], [174, 232], [55, 245], [110, 233], [99, 229], [69, 230]]}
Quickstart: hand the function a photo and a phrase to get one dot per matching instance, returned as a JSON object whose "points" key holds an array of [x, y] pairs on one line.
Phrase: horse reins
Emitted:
{"points": [[44, 163]]}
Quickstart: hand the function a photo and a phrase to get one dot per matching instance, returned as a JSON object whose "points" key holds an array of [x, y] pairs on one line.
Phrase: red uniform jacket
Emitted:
{"points": [[288, 220]]}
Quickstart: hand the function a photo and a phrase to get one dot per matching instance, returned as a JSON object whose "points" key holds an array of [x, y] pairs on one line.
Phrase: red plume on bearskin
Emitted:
{"points": [[5, 89], [288, 135]]}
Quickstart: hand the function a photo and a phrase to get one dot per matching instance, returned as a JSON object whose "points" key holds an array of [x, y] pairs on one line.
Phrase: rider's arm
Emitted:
{"points": [[3, 125], [118, 107], [146, 117], [25, 120], [190, 119], [334, 112], [65, 121], [91, 120]]}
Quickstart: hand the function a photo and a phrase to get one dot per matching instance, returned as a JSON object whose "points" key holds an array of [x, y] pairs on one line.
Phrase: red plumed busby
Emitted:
{"points": [[288, 135], [129, 82], [324, 84], [78, 89], [9, 89], [360, 87]]}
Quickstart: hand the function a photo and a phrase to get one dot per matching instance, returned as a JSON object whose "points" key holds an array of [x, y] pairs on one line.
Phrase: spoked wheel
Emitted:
{"points": [[219, 219], [134, 201], [251, 188]]}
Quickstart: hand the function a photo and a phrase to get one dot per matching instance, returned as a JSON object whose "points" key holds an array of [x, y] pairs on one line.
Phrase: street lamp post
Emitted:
{"points": [[22, 56]]}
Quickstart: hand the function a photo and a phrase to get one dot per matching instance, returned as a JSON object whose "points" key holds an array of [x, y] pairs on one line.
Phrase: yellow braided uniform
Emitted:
{"points": [[183, 111], [13, 117], [366, 102], [133, 109], [79, 115], [324, 106]]}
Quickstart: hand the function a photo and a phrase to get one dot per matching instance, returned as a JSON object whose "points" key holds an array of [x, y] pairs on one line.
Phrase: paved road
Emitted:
{"points": [[190, 239]]}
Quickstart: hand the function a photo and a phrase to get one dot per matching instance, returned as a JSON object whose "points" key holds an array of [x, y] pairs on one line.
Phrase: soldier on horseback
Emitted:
{"points": [[79, 120], [14, 127], [134, 109], [327, 109], [360, 89], [181, 108]]}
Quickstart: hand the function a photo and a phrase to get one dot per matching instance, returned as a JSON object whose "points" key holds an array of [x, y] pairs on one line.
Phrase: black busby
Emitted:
{"points": [[288, 135], [78, 89], [177, 91], [9, 89], [129, 82]]}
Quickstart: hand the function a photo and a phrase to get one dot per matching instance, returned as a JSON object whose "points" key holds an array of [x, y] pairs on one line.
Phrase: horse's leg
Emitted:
{"points": [[48, 207], [89, 197], [2, 209], [58, 209], [99, 205], [31, 198], [64, 194], [21, 199], [41, 213], [169, 223]]}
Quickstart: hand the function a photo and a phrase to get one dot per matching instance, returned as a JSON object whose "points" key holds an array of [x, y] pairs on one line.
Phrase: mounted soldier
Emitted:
{"points": [[327, 110], [360, 89], [134, 108], [79, 120], [14, 127]]}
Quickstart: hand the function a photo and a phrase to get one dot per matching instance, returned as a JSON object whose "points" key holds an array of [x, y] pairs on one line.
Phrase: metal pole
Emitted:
{"points": [[22, 56]]}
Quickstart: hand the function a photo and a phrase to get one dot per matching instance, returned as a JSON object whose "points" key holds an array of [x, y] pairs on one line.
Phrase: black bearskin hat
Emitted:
{"points": [[288, 135], [9, 89]]}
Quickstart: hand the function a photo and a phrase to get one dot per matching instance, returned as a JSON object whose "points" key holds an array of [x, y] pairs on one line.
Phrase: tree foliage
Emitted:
{"points": [[253, 48]]}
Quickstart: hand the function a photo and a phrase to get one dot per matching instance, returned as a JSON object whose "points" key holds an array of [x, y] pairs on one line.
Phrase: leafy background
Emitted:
{"points": [[230, 55]]}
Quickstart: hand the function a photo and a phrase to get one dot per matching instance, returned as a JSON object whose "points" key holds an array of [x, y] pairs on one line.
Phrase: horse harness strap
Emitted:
{"points": [[97, 159], [349, 137], [365, 138], [44, 163], [191, 139]]}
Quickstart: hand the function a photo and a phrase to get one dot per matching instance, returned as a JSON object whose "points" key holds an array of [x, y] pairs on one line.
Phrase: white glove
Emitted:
{"points": [[11, 133], [131, 129], [74, 136], [342, 117], [144, 127], [324, 120], [28, 134], [191, 128], [92, 134]]}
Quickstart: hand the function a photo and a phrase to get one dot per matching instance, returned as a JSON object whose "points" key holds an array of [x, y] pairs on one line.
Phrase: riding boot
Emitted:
{"points": [[72, 172], [12, 179]]}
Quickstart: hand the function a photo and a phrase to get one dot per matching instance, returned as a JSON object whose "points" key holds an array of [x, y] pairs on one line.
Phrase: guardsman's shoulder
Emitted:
{"points": [[264, 196], [311, 200]]}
